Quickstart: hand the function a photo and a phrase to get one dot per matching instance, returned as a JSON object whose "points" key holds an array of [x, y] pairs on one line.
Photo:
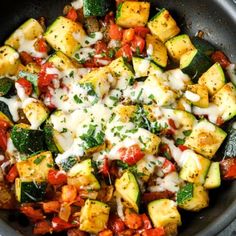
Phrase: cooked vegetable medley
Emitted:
{"points": [[112, 121]]}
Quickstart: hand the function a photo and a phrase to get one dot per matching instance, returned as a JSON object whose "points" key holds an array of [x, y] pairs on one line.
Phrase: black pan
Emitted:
{"points": [[217, 18]]}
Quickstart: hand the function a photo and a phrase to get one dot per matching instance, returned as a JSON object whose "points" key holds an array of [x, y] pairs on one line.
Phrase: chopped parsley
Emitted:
{"points": [[187, 132], [77, 99], [69, 163], [39, 159]]}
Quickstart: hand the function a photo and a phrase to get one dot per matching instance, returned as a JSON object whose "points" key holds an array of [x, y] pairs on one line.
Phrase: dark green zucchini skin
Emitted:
{"points": [[97, 7], [6, 85], [48, 134], [5, 109], [203, 46], [32, 191], [26, 140], [229, 149]]}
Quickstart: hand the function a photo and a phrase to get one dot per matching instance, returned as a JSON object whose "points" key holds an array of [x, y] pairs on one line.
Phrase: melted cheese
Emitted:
{"points": [[193, 97], [77, 4]]}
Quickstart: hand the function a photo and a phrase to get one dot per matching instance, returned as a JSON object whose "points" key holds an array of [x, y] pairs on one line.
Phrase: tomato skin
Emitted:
{"points": [[139, 43], [154, 232], [79, 201], [133, 220], [3, 139], [30, 212], [50, 207], [130, 155], [220, 120], [69, 193], [25, 58], [56, 177], [72, 14], [168, 167], [105, 167], [146, 222], [220, 57], [12, 174], [106, 232], [42, 45], [26, 85], [59, 224], [182, 147], [115, 32], [4, 124], [116, 224], [141, 31], [172, 124], [228, 168], [42, 227], [128, 35], [125, 51]]}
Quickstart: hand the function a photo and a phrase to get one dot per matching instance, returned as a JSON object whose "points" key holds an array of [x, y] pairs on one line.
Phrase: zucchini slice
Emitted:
{"points": [[27, 140], [62, 35], [61, 61], [81, 175], [5, 118], [206, 138], [96, 7], [29, 191], [9, 61], [200, 92], [163, 26], [36, 167], [128, 189], [6, 85], [194, 63], [132, 14], [213, 78], [203, 46], [156, 50], [5, 110], [49, 138], [225, 99], [192, 197], [213, 179], [141, 66], [195, 168], [164, 212], [94, 216], [30, 30], [35, 111], [229, 149], [179, 45]]}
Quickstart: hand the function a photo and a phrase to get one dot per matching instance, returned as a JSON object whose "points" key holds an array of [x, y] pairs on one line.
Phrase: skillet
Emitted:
{"points": [[217, 19]]}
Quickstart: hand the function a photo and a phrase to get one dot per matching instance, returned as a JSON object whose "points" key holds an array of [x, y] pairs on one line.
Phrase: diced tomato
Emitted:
{"points": [[42, 227], [26, 85], [60, 225], [182, 147], [3, 139], [115, 32], [172, 124], [125, 51], [228, 168], [38, 60], [128, 35], [12, 174], [219, 120], [168, 167], [116, 224], [141, 31], [48, 100], [105, 167], [51, 207], [25, 58], [76, 232], [42, 45], [106, 232], [4, 124], [149, 197], [69, 193], [56, 177], [79, 201], [91, 63], [154, 232], [72, 14], [165, 150], [110, 18], [138, 44], [100, 47], [133, 220], [146, 222], [65, 211], [45, 78], [30, 212], [130, 155], [220, 57]]}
